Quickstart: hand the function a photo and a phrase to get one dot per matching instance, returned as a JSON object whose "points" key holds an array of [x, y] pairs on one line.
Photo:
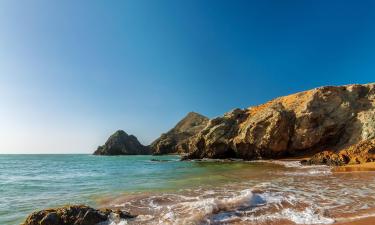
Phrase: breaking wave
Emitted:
{"points": [[223, 207], [301, 170]]}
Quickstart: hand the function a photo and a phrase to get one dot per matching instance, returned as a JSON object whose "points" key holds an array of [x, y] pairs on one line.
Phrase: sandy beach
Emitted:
{"points": [[355, 168], [364, 221]]}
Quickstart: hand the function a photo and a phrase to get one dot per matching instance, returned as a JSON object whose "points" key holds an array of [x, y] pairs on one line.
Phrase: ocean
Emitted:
{"points": [[164, 190]]}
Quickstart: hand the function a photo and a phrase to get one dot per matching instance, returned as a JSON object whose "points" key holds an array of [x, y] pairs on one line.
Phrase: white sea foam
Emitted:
{"points": [[231, 206], [311, 170], [114, 219], [307, 216], [197, 209]]}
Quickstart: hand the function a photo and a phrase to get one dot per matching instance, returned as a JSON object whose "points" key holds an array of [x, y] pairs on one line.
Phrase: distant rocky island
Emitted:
{"points": [[120, 143], [332, 125]]}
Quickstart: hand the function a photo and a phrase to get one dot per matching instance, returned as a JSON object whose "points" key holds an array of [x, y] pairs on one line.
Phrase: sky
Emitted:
{"points": [[73, 72]]}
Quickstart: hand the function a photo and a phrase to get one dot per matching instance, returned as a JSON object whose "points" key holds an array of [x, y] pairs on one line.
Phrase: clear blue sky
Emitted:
{"points": [[72, 72]]}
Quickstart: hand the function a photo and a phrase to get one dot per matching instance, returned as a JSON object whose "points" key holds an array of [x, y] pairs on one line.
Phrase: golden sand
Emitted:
{"points": [[355, 168], [364, 221]]}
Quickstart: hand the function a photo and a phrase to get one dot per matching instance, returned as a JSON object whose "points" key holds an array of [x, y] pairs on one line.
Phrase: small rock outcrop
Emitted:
{"points": [[74, 215], [340, 119], [362, 152], [176, 140], [120, 143]]}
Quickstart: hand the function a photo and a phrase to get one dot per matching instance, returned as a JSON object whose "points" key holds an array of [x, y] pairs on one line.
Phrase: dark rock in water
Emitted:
{"points": [[176, 140], [328, 118], [120, 143], [73, 215], [160, 160]]}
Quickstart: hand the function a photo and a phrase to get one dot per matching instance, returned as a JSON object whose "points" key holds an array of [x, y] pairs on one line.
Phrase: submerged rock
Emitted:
{"points": [[74, 215], [300, 124], [120, 143], [176, 140]]}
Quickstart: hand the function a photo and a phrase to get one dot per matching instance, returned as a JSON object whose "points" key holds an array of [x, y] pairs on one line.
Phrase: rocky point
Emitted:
{"points": [[336, 122]]}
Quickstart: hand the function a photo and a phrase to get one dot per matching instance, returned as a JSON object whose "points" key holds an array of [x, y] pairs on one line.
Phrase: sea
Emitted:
{"points": [[165, 190]]}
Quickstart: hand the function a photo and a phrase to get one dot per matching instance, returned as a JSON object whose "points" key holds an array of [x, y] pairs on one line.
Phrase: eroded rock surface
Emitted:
{"points": [[362, 152], [176, 140], [120, 143], [327, 118], [74, 215]]}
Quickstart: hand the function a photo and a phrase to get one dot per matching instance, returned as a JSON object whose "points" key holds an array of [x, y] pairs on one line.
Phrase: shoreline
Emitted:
{"points": [[363, 167], [136, 202], [364, 221]]}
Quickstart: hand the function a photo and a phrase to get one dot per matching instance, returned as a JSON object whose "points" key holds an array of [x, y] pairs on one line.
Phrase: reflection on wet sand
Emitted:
{"points": [[273, 193]]}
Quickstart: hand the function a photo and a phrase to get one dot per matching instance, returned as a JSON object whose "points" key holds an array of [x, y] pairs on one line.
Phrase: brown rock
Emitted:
{"points": [[176, 140], [362, 152], [73, 215], [296, 125]]}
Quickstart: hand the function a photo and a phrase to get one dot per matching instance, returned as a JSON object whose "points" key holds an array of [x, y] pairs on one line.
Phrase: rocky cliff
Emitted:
{"points": [[331, 119], [176, 140], [120, 143]]}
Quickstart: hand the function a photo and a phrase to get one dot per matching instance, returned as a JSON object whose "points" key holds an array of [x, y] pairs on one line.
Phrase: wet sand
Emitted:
{"points": [[364, 221], [264, 192], [355, 168]]}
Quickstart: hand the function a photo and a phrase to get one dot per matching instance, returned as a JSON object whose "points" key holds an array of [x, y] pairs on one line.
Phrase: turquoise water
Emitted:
{"points": [[164, 190], [31, 182]]}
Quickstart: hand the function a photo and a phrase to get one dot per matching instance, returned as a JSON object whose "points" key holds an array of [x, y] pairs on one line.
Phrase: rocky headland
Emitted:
{"points": [[333, 125], [177, 139], [120, 143]]}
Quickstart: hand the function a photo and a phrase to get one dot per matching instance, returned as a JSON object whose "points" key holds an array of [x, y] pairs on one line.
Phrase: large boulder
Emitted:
{"points": [[120, 143], [74, 215], [327, 118], [176, 140]]}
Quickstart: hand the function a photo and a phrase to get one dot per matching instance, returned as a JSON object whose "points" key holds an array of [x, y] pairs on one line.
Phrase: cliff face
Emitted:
{"points": [[176, 140], [120, 143], [327, 118]]}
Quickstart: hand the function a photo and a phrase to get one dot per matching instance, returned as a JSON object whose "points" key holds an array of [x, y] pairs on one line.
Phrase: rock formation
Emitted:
{"points": [[74, 215], [176, 140], [362, 152], [340, 119], [120, 143]]}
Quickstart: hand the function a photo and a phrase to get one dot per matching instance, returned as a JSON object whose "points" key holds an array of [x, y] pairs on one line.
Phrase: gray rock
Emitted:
{"points": [[73, 215], [120, 143]]}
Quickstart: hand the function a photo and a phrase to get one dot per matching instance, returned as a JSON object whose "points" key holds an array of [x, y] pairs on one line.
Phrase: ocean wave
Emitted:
{"points": [[301, 170], [289, 164], [228, 206], [307, 216], [276, 207]]}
